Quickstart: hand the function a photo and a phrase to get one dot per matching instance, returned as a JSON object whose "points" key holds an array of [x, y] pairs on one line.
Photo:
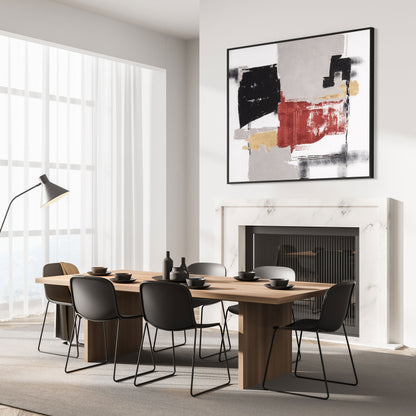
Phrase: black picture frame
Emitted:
{"points": [[368, 140]]}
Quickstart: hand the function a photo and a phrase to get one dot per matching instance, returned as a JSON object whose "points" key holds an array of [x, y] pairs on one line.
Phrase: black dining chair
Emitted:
{"points": [[94, 299], [60, 296], [333, 314], [168, 306], [210, 269]]}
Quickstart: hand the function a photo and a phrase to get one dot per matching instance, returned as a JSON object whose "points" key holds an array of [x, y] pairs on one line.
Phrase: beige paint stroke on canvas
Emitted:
{"points": [[267, 139]]}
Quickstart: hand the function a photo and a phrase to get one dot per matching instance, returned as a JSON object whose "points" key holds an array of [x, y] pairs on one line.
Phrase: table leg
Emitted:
{"points": [[255, 329], [130, 330]]}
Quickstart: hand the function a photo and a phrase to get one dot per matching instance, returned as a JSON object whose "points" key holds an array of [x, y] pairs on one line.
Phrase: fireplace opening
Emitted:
{"points": [[316, 254]]}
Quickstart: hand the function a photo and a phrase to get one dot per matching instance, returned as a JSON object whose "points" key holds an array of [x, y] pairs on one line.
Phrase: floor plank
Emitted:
{"points": [[12, 411]]}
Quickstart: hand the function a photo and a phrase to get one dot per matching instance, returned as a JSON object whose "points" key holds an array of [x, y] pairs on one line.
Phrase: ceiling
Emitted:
{"points": [[178, 18]]}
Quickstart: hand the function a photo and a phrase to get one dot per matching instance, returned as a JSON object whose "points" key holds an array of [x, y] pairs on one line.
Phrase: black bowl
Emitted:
{"points": [[122, 277], [99, 270], [195, 281], [279, 282], [247, 275]]}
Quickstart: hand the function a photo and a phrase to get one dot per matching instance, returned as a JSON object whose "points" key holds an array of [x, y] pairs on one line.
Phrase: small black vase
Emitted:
{"points": [[178, 275], [183, 267], [167, 266]]}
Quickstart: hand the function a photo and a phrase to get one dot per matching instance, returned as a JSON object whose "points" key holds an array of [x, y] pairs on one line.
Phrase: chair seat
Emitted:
{"points": [[196, 302], [61, 303], [131, 316], [186, 328], [234, 309], [302, 325], [209, 325]]}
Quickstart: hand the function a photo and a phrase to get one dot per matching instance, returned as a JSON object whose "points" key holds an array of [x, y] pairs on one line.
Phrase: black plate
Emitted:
{"points": [[157, 277], [206, 286], [246, 280], [279, 287], [160, 278], [113, 279], [99, 274]]}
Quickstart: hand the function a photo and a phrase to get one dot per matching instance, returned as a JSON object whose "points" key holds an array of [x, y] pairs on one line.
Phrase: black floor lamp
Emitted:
{"points": [[50, 193]]}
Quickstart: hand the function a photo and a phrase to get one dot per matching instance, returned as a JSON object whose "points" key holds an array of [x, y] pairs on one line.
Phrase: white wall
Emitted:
{"points": [[225, 24], [57, 23], [192, 150]]}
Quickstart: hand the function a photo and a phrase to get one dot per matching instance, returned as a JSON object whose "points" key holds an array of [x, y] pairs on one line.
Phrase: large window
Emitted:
{"points": [[78, 118]]}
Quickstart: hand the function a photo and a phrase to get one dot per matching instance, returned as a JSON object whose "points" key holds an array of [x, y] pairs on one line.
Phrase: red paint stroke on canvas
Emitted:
{"points": [[302, 122]]}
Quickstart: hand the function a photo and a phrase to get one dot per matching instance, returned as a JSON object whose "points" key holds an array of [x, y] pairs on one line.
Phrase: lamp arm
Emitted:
{"points": [[17, 196]]}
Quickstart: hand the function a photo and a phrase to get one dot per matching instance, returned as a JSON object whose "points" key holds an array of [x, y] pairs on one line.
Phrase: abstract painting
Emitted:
{"points": [[301, 109]]}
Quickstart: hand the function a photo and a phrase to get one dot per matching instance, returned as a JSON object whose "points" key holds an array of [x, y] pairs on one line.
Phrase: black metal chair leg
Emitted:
{"points": [[116, 354], [167, 348], [79, 343], [193, 366], [336, 381], [296, 334], [202, 357], [226, 326], [298, 342], [43, 326], [268, 359], [323, 368], [352, 361], [297, 356], [146, 328], [229, 343], [77, 327], [325, 380], [41, 336], [70, 346]]}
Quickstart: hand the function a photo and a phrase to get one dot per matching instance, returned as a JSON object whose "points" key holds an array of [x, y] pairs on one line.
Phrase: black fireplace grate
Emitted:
{"points": [[316, 254]]}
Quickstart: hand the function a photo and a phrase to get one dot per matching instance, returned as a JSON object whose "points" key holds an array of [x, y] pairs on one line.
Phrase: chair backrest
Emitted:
{"points": [[55, 293], [210, 269], [94, 298], [281, 272], [167, 305], [52, 269], [335, 306]]}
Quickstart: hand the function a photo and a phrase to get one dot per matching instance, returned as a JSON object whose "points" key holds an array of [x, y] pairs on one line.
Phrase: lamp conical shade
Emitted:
{"points": [[50, 191]]}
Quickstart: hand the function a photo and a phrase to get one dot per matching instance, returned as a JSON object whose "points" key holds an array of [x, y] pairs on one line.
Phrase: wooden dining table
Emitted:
{"points": [[260, 308]]}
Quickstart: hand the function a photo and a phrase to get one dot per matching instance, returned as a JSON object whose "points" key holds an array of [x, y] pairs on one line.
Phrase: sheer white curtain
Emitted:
{"points": [[120, 173], [77, 118]]}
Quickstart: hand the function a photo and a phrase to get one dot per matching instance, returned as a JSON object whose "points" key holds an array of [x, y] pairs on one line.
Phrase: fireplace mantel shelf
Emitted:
{"points": [[305, 202]]}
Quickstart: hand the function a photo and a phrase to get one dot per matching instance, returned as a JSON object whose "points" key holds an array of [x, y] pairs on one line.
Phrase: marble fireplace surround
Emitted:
{"points": [[372, 217]]}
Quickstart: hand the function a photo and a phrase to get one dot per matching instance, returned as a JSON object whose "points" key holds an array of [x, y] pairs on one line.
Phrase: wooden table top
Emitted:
{"points": [[223, 288]]}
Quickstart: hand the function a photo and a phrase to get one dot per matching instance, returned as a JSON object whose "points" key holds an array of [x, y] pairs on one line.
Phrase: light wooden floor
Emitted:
{"points": [[11, 411]]}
